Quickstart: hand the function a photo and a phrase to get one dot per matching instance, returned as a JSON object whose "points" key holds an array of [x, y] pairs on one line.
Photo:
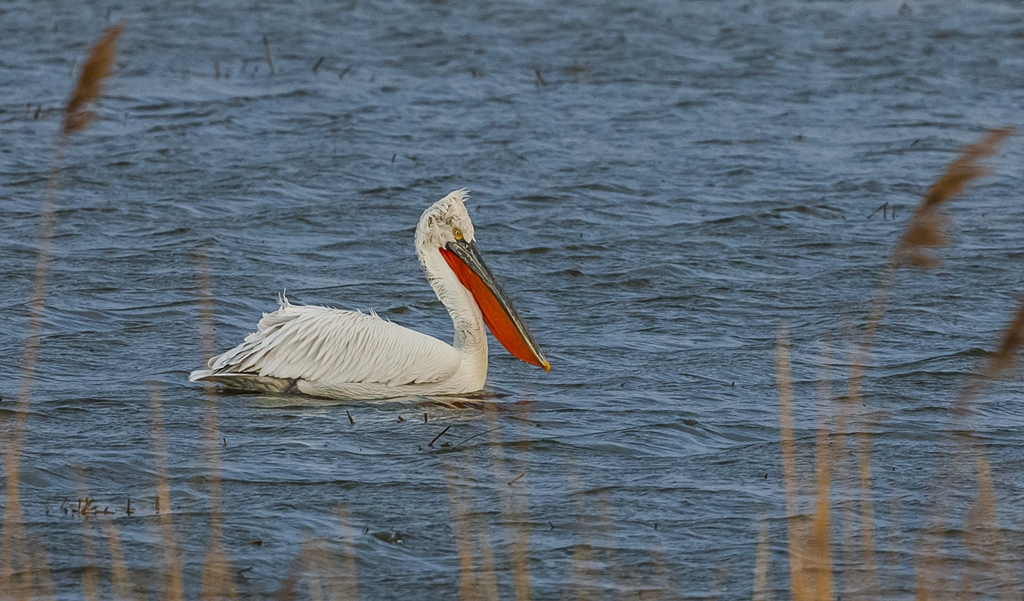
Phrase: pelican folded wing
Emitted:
{"points": [[334, 347]]}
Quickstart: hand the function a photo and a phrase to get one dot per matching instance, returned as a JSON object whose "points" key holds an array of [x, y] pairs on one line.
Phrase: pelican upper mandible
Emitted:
{"points": [[338, 354]]}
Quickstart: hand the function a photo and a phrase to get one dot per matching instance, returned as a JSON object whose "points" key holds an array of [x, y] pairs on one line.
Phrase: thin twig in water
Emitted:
{"points": [[431, 444], [883, 208], [465, 440], [266, 50]]}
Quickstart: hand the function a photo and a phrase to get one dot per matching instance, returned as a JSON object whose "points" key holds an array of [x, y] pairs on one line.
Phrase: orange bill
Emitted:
{"points": [[500, 316]]}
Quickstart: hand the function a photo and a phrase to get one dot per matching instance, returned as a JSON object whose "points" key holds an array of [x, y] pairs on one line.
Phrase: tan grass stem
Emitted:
{"points": [[173, 589], [349, 579], [42, 581], [97, 67], [120, 578], [924, 231], [513, 508], [819, 546], [469, 589], [783, 381], [76, 118], [216, 580], [761, 563]]}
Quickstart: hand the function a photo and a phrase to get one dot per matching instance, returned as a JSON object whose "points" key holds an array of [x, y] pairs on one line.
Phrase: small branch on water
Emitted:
{"points": [[446, 428], [266, 50], [477, 434]]}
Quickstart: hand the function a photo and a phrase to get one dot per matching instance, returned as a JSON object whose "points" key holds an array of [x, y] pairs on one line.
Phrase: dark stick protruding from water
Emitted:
{"points": [[446, 428]]}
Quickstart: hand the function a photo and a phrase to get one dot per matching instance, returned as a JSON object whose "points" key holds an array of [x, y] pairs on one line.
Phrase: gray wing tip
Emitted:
{"points": [[200, 374]]}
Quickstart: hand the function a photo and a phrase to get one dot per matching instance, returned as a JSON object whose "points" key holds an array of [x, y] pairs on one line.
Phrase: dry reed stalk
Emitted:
{"points": [[76, 118], [841, 459], [90, 572], [761, 563], [924, 232], [984, 535], [349, 580], [43, 583], [583, 572], [469, 588], [13, 539], [77, 112], [1013, 335], [519, 553], [315, 560], [488, 574], [173, 589], [867, 512], [316, 590], [819, 548], [606, 529], [926, 228], [998, 364], [819, 551], [662, 575], [925, 578], [216, 579], [934, 564], [289, 589], [797, 575], [513, 511], [15, 571], [120, 579], [890, 548]]}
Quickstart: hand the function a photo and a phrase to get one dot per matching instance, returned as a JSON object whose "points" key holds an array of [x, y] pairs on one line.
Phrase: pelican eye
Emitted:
{"points": [[457, 233]]}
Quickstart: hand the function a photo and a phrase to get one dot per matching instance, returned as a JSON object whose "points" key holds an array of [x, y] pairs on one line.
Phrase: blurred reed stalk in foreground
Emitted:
{"points": [[217, 580], [810, 553], [15, 568], [173, 587], [810, 550], [925, 231]]}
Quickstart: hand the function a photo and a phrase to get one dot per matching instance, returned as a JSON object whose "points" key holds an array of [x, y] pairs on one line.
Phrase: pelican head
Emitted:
{"points": [[445, 228], [445, 221]]}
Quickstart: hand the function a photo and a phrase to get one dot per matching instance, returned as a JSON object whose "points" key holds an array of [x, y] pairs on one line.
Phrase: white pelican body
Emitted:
{"points": [[338, 354]]}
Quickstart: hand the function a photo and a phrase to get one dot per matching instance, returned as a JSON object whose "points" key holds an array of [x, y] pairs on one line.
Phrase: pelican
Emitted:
{"points": [[330, 353]]}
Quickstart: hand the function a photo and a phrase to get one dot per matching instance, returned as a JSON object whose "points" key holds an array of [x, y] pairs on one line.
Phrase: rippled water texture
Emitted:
{"points": [[689, 177]]}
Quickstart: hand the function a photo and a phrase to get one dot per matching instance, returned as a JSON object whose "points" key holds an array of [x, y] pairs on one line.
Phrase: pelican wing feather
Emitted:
{"points": [[332, 347]]}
